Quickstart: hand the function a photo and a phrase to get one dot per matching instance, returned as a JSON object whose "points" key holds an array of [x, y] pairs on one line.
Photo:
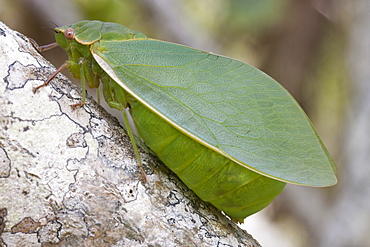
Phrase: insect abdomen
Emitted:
{"points": [[232, 188]]}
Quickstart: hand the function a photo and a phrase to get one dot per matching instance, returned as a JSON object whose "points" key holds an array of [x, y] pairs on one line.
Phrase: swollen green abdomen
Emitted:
{"points": [[230, 187]]}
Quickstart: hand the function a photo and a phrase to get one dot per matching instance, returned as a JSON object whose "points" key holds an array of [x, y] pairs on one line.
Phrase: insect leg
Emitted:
{"points": [[43, 47], [98, 92], [64, 65], [83, 84], [133, 142], [116, 98]]}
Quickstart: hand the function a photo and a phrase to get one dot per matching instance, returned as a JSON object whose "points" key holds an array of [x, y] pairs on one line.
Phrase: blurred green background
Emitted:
{"points": [[306, 45]]}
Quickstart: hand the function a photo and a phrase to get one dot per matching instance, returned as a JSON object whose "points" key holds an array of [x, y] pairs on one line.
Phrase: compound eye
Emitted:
{"points": [[69, 33]]}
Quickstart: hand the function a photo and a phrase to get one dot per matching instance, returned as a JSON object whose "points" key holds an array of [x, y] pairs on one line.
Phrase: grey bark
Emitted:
{"points": [[69, 177]]}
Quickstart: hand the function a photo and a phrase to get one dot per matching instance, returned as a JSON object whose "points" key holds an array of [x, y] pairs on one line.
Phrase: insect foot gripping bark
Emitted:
{"points": [[231, 133]]}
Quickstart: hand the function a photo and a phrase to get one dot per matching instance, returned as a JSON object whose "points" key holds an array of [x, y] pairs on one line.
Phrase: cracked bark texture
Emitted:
{"points": [[69, 177]]}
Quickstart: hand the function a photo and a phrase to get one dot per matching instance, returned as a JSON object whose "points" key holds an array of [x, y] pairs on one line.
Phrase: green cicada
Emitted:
{"points": [[230, 132]]}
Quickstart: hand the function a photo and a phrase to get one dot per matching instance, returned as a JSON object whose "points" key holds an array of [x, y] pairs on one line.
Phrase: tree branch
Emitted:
{"points": [[69, 177]]}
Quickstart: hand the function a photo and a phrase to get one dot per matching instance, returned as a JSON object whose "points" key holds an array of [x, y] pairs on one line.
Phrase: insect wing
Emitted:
{"points": [[227, 105]]}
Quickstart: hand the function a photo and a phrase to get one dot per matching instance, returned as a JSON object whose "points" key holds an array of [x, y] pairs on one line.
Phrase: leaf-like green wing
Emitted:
{"points": [[229, 106]]}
